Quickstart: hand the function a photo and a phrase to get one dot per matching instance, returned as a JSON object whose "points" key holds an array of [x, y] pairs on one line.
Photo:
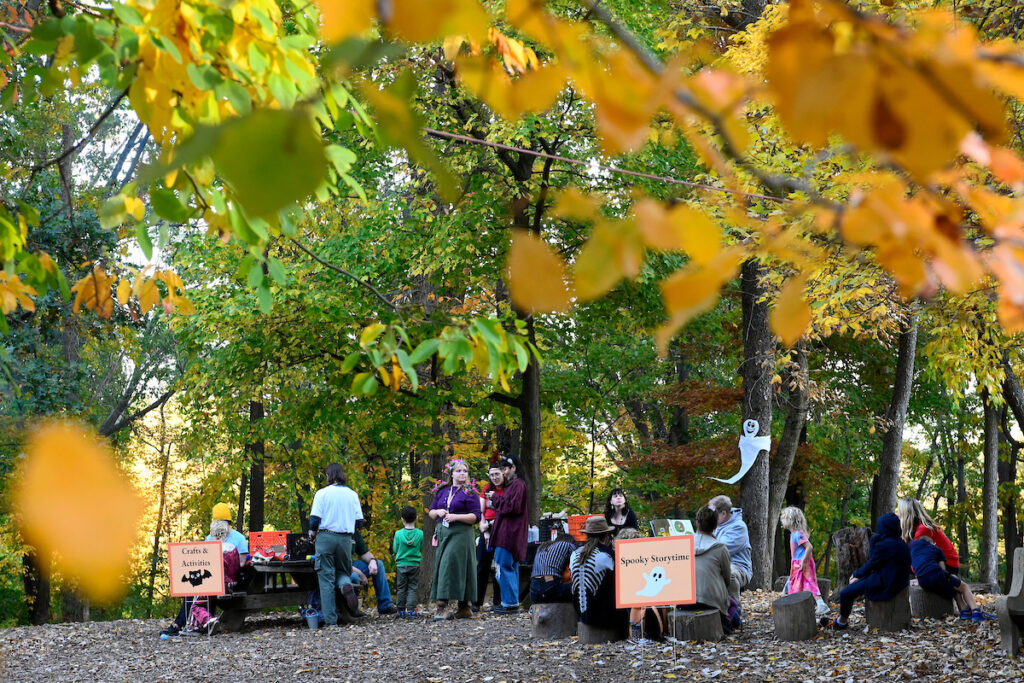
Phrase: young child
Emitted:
{"points": [[407, 547], [803, 575], [883, 576], [930, 567]]}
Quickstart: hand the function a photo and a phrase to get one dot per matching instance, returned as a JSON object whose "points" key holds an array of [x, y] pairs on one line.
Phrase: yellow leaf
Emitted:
{"points": [[572, 203], [124, 291], [694, 290], [614, 251], [340, 19], [149, 295], [679, 228], [385, 376], [791, 315], [424, 21], [371, 333], [184, 305], [135, 207], [536, 275], [74, 504]]}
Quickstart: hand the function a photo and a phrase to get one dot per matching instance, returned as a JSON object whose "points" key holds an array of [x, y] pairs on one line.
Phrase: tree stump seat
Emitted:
{"points": [[824, 586], [889, 615], [553, 620], [1010, 608], [927, 605], [794, 616], [698, 625], [592, 635]]}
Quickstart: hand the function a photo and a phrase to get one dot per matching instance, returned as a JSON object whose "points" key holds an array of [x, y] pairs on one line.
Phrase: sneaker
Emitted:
{"points": [[389, 610], [171, 631], [822, 609], [501, 609], [401, 614], [351, 600], [965, 614], [833, 624], [214, 626], [412, 614], [978, 615]]}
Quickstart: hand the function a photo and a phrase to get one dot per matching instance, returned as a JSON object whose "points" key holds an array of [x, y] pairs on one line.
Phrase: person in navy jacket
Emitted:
{"points": [[883, 576]]}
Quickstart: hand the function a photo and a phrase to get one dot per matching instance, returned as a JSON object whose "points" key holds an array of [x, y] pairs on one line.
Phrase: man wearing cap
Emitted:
{"points": [[332, 521], [221, 511], [509, 532]]}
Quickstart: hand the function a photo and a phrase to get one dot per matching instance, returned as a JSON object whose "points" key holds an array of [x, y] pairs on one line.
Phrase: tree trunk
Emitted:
{"points": [[781, 465], [243, 487], [256, 483], [1014, 395], [530, 425], [37, 590], [884, 493], [165, 466], [989, 495], [758, 357]]}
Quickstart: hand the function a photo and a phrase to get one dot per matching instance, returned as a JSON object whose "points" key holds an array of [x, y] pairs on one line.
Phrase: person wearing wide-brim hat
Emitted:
{"points": [[593, 578]]}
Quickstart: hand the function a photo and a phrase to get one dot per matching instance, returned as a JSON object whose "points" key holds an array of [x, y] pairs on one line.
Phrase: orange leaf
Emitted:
{"points": [[424, 21], [614, 251], [679, 228], [74, 504], [536, 275], [694, 290], [341, 19]]}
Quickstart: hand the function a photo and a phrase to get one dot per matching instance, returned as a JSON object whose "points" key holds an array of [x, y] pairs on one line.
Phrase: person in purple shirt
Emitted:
{"points": [[509, 533], [456, 510]]}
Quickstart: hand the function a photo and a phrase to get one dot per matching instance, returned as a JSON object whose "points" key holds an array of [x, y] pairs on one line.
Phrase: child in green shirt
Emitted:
{"points": [[407, 548]]}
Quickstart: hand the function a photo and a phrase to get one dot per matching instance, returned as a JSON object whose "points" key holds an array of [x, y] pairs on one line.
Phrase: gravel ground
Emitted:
{"points": [[278, 647]]}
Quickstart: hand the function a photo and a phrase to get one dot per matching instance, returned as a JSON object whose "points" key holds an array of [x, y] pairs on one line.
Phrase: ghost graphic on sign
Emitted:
{"points": [[656, 580], [750, 445]]}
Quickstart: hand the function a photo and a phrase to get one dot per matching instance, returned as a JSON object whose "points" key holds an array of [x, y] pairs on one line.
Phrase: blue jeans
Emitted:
{"points": [[508, 577], [380, 582]]}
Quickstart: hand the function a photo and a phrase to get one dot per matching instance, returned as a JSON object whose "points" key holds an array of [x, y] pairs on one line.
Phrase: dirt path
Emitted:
{"points": [[491, 649]]}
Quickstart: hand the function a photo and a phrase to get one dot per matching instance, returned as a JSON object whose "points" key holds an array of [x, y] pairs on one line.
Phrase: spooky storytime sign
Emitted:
{"points": [[196, 568], [654, 571]]}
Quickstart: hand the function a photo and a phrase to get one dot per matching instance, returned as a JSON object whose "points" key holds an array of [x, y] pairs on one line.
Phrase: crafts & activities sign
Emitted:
{"points": [[654, 571], [196, 568]]}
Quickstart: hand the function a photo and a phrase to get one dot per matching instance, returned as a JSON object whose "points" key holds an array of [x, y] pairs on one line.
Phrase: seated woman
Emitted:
{"points": [[593, 579], [713, 570], [547, 583], [646, 624]]}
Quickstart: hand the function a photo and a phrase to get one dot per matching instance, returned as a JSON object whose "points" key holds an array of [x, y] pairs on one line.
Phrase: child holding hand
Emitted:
{"points": [[803, 575]]}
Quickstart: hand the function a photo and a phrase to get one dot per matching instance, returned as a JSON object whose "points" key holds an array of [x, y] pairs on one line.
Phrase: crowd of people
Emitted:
{"points": [[907, 543]]}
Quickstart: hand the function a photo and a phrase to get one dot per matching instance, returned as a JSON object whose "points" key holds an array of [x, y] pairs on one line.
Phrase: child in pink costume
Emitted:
{"points": [[802, 573]]}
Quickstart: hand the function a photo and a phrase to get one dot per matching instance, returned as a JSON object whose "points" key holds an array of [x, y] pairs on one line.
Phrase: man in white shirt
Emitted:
{"points": [[333, 520]]}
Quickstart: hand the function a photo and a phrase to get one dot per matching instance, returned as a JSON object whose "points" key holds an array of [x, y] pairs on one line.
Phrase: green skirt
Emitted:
{"points": [[455, 563]]}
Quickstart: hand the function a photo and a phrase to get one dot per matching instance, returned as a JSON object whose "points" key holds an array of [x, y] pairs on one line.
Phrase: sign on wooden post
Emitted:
{"points": [[654, 571], [196, 568]]}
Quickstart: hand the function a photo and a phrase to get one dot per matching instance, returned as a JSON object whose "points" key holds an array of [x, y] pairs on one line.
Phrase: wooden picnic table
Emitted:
{"points": [[278, 583]]}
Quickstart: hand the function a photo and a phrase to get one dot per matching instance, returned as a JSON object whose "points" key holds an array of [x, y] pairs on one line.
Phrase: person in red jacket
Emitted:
{"points": [[916, 523], [509, 532]]}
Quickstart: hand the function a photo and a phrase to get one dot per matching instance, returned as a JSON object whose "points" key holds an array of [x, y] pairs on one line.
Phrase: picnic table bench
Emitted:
{"points": [[278, 583]]}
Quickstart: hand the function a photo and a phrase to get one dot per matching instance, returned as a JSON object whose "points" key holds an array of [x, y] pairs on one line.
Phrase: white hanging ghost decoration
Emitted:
{"points": [[750, 445]]}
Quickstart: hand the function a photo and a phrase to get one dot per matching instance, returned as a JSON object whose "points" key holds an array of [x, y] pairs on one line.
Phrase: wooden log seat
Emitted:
{"points": [[889, 615], [794, 616], [698, 625], [553, 620]]}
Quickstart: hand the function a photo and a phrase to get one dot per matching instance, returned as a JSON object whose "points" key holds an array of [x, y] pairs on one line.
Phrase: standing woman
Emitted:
{"points": [[617, 511], [915, 523], [509, 533], [456, 509], [484, 554]]}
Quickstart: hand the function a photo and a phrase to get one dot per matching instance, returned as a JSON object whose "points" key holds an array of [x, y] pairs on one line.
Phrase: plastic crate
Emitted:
{"points": [[576, 524], [269, 542]]}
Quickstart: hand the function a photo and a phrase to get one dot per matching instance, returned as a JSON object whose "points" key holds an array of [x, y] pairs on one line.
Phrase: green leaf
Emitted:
{"points": [[405, 363], [204, 77], [277, 271], [255, 278], [265, 300], [237, 95], [425, 350], [142, 235], [167, 205], [359, 380], [340, 157], [351, 360], [285, 167], [257, 58], [127, 14]]}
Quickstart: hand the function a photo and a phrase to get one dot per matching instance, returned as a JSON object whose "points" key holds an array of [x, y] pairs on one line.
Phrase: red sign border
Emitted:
{"points": [[654, 603], [220, 551]]}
